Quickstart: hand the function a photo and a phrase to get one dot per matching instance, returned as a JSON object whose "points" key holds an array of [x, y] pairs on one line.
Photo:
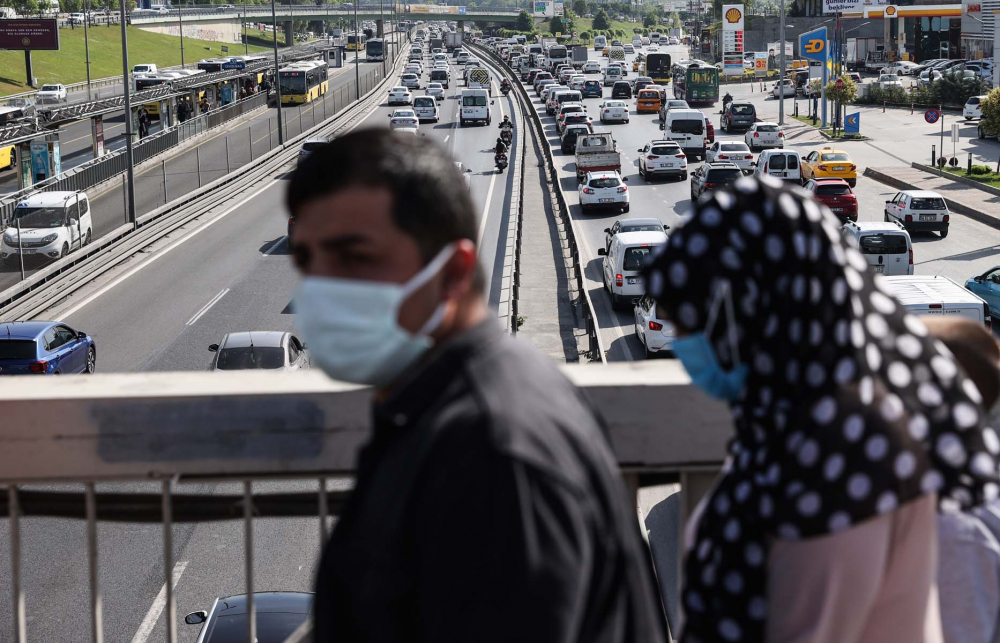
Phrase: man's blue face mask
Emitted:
{"points": [[698, 355]]}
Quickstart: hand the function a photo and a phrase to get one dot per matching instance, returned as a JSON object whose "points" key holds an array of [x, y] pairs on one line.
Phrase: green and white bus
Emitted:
{"points": [[696, 82]]}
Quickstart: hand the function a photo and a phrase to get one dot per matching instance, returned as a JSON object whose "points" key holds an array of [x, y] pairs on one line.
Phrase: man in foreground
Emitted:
{"points": [[488, 505]]}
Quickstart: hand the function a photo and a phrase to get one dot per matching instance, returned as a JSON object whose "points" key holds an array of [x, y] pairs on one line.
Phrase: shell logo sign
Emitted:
{"points": [[733, 18], [890, 11], [734, 15]]}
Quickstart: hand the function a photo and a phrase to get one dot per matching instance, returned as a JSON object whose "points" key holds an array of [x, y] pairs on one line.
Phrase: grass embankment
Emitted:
{"points": [[69, 64], [992, 178], [840, 136], [581, 25]]}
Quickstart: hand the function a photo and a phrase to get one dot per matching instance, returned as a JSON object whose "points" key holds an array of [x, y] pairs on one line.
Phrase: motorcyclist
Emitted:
{"points": [[505, 86], [726, 100], [506, 124], [501, 148]]}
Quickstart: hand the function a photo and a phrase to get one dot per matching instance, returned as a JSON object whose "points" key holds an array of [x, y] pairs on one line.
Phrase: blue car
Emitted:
{"points": [[592, 88], [987, 286], [45, 348]]}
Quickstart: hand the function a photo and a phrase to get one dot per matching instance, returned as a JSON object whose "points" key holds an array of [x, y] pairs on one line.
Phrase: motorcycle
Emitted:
{"points": [[506, 136], [501, 162], [505, 90]]}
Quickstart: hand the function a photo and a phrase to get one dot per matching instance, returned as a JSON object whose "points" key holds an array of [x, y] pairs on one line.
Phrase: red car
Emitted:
{"points": [[709, 131], [837, 195]]}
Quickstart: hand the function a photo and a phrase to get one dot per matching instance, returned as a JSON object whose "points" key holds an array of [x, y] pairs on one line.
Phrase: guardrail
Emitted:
{"points": [[596, 344]]}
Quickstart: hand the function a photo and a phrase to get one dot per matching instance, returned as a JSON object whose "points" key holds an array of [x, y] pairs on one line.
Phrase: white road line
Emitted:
{"points": [[274, 246], [489, 194], [207, 306], [447, 137], [153, 615]]}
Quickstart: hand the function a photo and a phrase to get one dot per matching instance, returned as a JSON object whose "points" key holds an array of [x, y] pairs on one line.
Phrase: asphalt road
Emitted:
{"points": [[145, 318], [969, 249]]}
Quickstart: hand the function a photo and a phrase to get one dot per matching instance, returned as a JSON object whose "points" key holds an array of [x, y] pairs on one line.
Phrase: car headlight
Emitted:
{"points": [[49, 238]]}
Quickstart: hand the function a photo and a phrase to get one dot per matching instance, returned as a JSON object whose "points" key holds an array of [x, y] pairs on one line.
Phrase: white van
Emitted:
{"points": [[52, 224], [623, 263], [937, 295], [477, 78], [781, 164], [886, 246], [600, 42], [612, 74], [686, 127], [475, 107]]}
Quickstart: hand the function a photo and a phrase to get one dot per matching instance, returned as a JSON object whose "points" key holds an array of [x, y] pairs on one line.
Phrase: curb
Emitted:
{"points": [[976, 215], [972, 183]]}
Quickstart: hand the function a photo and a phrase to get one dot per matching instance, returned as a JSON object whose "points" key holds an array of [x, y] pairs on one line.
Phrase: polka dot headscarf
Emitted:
{"points": [[849, 411]]}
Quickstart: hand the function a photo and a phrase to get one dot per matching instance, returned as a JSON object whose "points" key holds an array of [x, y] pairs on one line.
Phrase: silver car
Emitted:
{"points": [[266, 350]]}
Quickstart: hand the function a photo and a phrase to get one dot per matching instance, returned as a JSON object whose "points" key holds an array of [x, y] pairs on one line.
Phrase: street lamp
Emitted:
{"points": [[277, 75], [180, 19], [86, 42], [357, 58], [130, 190], [781, 65]]}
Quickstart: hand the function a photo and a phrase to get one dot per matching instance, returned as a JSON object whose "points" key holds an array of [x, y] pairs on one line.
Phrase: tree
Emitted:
{"points": [[70, 6], [22, 7], [990, 108], [580, 7], [524, 21], [601, 20], [649, 20], [568, 20], [675, 20], [844, 96]]}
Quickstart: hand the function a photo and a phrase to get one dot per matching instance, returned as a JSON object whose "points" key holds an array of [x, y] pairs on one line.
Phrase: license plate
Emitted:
{"points": [[878, 268], [927, 217], [28, 252], [666, 164], [836, 209], [839, 168], [606, 200], [633, 280]]}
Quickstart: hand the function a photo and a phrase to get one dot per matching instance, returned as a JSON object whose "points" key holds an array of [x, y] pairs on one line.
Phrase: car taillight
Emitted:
{"points": [[748, 157], [710, 185], [618, 280], [908, 218], [37, 367], [780, 135], [946, 218], [655, 326], [723, 156], [853, 167], [911, 256], [682, 155], [623, 189], [607, 111], [756, 135], [765, 168], [588, 190]]}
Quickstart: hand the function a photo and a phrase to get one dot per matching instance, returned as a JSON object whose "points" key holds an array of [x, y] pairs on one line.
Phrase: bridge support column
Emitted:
{"points": [[289, 29], [461, 26], [379, 29]]}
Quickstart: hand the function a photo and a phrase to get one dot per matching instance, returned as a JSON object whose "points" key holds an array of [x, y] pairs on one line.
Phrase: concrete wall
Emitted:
{"points": [[764, 29], [216, 31]]}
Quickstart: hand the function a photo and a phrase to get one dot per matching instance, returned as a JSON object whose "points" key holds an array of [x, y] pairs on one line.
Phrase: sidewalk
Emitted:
{"points": [[969, 201]]}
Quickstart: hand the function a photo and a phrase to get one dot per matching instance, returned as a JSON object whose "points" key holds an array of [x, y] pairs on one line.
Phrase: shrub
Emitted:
{"points": [[980, 170], [585, 35]]}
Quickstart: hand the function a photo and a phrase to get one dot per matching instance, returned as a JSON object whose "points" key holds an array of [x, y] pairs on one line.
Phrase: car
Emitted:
{"points": [[972, 109], [886, 81], [45, 348], [738, 116], [539, 77], [919, 210], [782, 164], [614, 110], [713, 176], [835, 194], [784, 87], [764, 135], [621, 89], [592, 67], [987, 286], [549, 90], [733, 151], [51, 93], [577, 82], [403, 118], [662, 158], [410, 80], [413, 68], [530, 76], [629, 49], [267, 350], [400, 96], [856, 77], [652, 49], [575, 118], [624, 261], [637, 224], [885, 246], [603, 190], [48, 225], [645, 41], [436, 90], [641, 83], [592, 89], [564, 76], [278, 615], [621, 65], [709, 131], [310, 145], [668, 105], [901, 68], [829, 163], [567, 142], [425, 108]]}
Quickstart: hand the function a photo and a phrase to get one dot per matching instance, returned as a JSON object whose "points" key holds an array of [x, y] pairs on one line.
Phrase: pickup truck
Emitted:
{"points": [[597, 152]]}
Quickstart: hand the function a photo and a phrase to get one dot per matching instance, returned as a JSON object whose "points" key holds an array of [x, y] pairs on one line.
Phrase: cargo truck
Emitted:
{"points": [[580, 54], [452, 40]]}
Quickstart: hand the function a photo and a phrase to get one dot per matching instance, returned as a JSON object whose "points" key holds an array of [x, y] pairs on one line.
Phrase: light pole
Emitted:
{"points": [[781, 65], [86, 42], [357, 59], [277, 75], [246, 45], [130, 206], [180, 20], [842, 39], [381, 19]]}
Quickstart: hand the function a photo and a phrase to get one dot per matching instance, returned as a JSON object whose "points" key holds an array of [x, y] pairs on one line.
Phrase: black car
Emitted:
{"points": [[278, 615], [738, 116], [641, 83], [621, 89], [570, 134], [712, 176]]}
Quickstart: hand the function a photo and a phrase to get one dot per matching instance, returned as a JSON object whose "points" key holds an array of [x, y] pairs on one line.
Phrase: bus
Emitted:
{"points": [[375, 50], [657, 67], [556, 55], [696, 82], [303, 81], [355, 42]]}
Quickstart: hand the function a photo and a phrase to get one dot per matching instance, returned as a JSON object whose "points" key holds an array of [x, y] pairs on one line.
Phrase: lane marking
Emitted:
{"points": [[493, 180], [153, 615], [446, 138], [207, 307], [274, 246]]}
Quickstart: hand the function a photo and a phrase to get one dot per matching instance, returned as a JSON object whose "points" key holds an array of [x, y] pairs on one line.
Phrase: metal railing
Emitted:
{"points": [[253, 426]]}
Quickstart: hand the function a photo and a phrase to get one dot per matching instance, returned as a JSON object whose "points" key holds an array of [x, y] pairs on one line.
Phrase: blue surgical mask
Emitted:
{"points": [[700, 360], [352, 326]]}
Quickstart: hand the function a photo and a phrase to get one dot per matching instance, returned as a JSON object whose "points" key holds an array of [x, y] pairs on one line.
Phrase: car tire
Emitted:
{"points": [[692, 195], [91, 367], [86, 240], [944, 233], [65, 250], [886, 219], [648, 354], [625, 209], [968, 118], [852, 182], [684, 176], [642, 174]]}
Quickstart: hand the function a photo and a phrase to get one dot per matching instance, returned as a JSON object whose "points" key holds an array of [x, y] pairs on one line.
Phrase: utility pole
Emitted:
{"points": [[781, 65], [383, 36], [86, 42], [277, 76], [127, 88], [246, 45], [357, 59], [180, 20]]}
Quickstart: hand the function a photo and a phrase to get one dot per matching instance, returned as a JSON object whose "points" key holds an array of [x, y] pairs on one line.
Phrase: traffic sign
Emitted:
{"points": [[932, 116], [840, 83], [812, 44]]}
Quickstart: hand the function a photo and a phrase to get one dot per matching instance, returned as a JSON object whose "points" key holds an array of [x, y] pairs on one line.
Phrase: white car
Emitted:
{"points": [[426, 108], [886, 81], [603, 190], [732, 151], [645, 40], [52, 224], [51, 93], [400, 96], [662, 158], [972, 109], [900, 67], [413, 69], [403, 118], [784, 88], [652, 329], [265, 350], [614, 110], [436, 90], [410, 81], [592, 67], [764, 135], [577, 82], [629, 49], [919, 210], [652, 48], [440, 58]]}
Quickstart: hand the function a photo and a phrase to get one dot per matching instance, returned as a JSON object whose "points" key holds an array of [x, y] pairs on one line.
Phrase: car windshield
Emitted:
{"points": [[890, 77], [665, 150], [12, 349], [439, 73], [50, 88], [272, 627], [743, 110], [645, 227], [927, 203], [423, 102], [312, 146], [687, 126], [250, 357], [474, 101], [973, 101], [608, 182], [41, 217], [671, 104], [833, 190], [724, 174], [635, 258], [883, 244], [767, 128], [836, 156]]}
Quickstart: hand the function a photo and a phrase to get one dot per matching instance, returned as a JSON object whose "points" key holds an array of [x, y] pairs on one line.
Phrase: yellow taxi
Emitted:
{"points": [[8, 158], [829, 163], [648, 100], [606, 50], [638, 60]]}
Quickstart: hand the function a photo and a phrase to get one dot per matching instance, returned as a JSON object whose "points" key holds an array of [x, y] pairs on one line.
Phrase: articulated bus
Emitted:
{"points": [[375, 50], [303, 82], [696, 82], [141, 83], [657, 67], [355, 42]]}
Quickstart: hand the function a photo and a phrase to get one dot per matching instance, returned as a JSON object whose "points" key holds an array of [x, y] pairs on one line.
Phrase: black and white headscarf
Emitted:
{"points": [[850, 408]]}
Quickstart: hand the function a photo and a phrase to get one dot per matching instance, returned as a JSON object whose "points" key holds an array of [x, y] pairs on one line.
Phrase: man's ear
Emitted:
{"points": [[460, 270]]}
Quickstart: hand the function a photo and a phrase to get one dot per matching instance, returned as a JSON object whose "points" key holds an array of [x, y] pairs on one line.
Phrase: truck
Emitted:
{"points": [[580, 54], [437, 43], [145, 68], [857, 52], [597, 152], [452, 40], [876, 60]]}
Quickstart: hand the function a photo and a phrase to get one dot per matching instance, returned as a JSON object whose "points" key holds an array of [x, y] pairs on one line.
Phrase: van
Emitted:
{"points": [[885, 246], [550, 103], [612, 74], [569, 96], [600, 42], [145, 68], [781, 164], [477, 78], [52, 224], [623, 263], [475, 107], [442, 76], [686, 127], [938, 295]]}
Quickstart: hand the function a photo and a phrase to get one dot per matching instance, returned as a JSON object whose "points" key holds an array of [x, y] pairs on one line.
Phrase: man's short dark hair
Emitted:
{"points": [[430, 200]]}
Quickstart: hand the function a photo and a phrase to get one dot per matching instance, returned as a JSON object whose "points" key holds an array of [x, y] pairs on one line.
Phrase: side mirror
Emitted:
{"points": [[635, 301], [888, 202], [607, 230], [602, 252], [639, 151], [196, 617], [215, 349], [83, 335], [977, 279], [624, 179], [666, 227], [661, 126]]}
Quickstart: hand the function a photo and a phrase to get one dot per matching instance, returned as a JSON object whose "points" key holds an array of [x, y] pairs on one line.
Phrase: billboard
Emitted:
{"points": [[833, 6], [732, 39], [557, 8], [435, 8], [812, 45], [35, 34], [732, 17], [760, 64]]}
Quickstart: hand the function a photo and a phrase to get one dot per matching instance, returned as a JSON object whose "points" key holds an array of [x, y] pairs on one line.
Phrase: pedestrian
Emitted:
{"points": [[143, 122], [969, 542], [850, 424], [487, 504]]}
